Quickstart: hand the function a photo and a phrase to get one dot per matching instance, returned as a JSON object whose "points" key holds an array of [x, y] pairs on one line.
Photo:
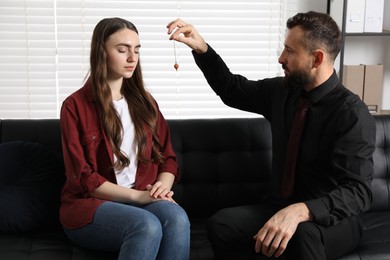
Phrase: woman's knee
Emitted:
{"points": [[147, 226], [170, 214], [180, 218], [177, 222]]}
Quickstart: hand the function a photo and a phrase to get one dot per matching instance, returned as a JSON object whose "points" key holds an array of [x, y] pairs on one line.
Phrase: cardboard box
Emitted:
{"points": [[373, 87], [373, 20], [355, 16], [353, 78]]}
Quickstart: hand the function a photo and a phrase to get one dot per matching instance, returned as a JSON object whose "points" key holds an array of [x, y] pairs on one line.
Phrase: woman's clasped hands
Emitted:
{"points": [[158, 191]]}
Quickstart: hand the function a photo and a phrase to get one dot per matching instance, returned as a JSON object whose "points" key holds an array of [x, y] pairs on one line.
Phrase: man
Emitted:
{"points": [[313, 213]]}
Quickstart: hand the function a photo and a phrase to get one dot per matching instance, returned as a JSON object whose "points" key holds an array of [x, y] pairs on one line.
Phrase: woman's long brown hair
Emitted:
{"points": [[142, 107]]}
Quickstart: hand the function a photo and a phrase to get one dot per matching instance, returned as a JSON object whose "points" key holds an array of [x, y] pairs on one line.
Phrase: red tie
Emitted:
{"points": [[293, 147]]}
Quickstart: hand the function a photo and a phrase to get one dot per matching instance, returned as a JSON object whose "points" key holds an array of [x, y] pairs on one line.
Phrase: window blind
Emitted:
{"points": [[44, 50]]}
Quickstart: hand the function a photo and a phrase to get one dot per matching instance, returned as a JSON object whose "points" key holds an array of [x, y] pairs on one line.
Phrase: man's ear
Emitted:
{"points": [[319, 56]]}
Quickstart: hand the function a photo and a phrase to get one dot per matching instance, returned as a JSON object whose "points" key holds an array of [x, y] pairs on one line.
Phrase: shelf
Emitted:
{"points": [[384, 33], [340, 12], [345, 35]]}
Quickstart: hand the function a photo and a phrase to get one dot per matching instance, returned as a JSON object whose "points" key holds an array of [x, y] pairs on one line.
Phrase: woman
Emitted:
{"points": [[119, 161]]}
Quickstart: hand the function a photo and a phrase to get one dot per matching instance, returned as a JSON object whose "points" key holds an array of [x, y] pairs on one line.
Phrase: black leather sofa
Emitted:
{"points": [[217, 157]]}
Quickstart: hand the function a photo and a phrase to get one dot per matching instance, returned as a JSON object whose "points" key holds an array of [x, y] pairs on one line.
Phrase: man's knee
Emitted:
{"points": [[219, 222], [307, 231], [306, 242], [225, 234]]}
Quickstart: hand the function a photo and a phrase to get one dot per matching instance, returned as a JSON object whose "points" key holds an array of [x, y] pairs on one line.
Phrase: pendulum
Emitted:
{"points": [[176, 66]]}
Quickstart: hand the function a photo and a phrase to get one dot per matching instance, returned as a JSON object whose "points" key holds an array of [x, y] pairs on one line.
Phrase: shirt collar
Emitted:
{"points": [[322, 90]]}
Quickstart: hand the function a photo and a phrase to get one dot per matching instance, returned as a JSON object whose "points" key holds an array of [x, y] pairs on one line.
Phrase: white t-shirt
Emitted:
{"points": [[126, 177]]}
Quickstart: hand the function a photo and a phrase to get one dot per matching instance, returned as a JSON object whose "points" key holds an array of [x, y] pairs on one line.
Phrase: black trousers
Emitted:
{"points": [[231, 232]]}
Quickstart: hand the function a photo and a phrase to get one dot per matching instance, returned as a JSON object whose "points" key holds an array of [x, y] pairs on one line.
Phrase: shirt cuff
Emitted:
{"points": [[204, 56], [93, 181], [319, 211]]}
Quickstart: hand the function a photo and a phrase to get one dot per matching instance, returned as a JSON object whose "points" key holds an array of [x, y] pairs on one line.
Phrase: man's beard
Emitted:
{"points": [[298, 79]]}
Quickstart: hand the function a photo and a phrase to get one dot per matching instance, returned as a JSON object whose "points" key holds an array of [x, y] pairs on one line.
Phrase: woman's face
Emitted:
{"points": [[122, 54]]}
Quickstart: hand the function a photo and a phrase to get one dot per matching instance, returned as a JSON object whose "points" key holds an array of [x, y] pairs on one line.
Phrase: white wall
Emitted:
{"points": [[312, 5], [360, 50]]}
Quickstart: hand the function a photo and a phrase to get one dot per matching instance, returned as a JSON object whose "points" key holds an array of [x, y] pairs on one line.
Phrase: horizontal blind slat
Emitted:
{"points": [[45, 44]]}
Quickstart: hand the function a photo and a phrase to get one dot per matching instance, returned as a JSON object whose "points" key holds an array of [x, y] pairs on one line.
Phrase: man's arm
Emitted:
{"points": [[273, 237], [352, 166]]}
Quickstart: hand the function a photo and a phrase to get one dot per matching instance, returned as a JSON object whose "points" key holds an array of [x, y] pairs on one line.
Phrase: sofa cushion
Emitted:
{"points": [[31, 178]]}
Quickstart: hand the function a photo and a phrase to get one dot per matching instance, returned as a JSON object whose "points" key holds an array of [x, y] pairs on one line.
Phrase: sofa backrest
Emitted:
{"points": [[43, 131], [218, 158], [223, 162], [381, 181]]}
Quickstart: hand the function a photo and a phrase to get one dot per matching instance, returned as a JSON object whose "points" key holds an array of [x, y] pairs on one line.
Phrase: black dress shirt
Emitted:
{"points": [[334, 165]]}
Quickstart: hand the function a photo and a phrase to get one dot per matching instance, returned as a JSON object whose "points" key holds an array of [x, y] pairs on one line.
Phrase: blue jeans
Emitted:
{"points": [[160, 230]]}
